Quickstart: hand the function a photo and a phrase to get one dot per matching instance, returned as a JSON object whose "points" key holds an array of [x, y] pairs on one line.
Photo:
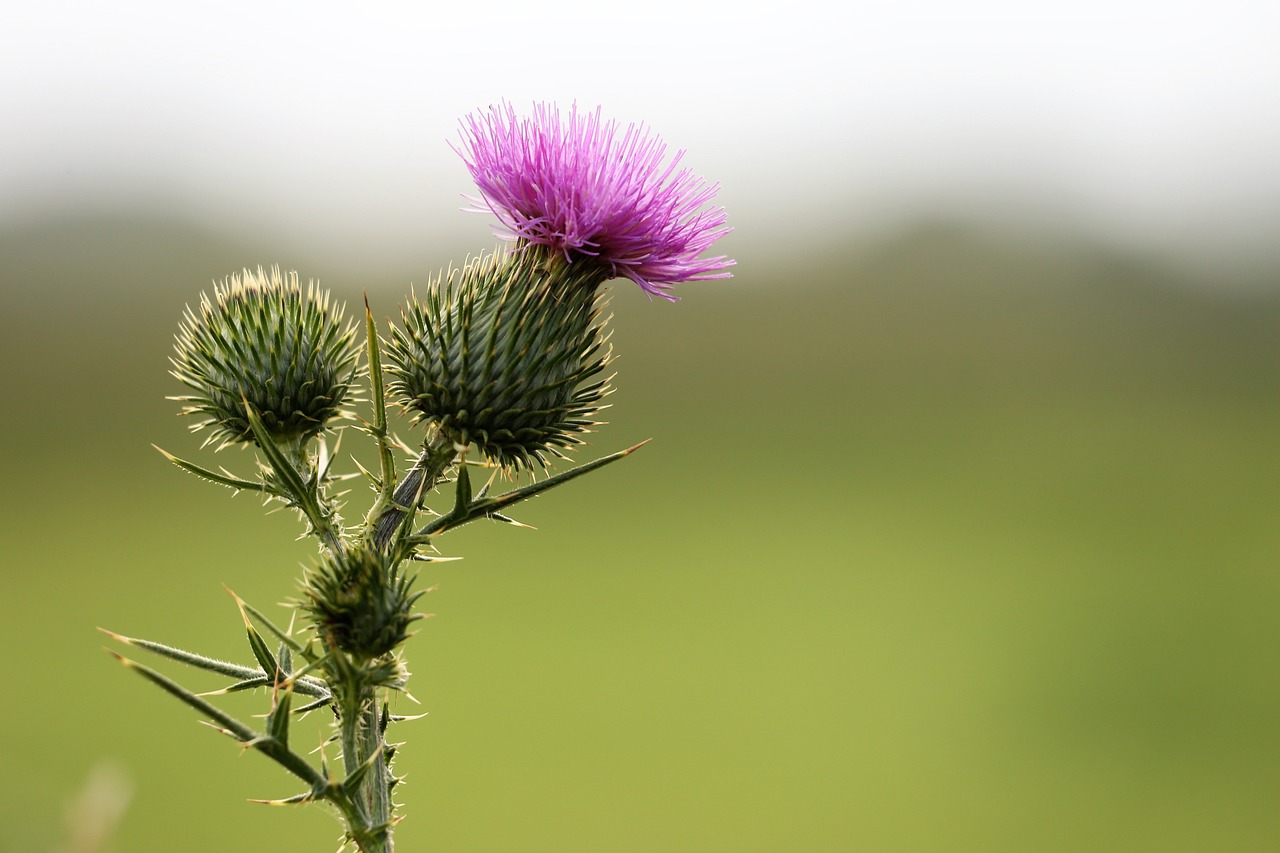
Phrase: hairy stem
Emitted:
{"points": [[436, 456], [378, 782], [362, 744]]}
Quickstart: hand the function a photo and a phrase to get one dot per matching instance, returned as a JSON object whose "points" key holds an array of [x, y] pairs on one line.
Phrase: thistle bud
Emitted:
{"points": [[359, 602], [505, 355], [261, 339]]}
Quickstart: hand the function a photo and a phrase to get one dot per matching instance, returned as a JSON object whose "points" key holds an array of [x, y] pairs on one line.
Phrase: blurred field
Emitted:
{"points": [[946, 543]]}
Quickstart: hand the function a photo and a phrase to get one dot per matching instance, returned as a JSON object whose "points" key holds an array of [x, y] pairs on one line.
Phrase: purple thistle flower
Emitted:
{"points": [[586, 188]]}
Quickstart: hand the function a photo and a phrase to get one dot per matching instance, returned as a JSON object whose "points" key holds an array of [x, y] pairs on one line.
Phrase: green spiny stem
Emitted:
{"points": [[314, 504], [362, 758], [436, 456], [287, 464], [378, 778]]}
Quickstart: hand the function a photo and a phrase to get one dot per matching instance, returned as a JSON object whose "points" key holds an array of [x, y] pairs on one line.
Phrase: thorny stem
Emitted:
{"points": [[378, 782], [311, 504], [436, 456], [362, 742], [296, 479]]}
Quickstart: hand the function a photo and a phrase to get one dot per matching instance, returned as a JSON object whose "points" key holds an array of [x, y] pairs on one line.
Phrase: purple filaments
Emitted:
{"points": [[586, 188]]}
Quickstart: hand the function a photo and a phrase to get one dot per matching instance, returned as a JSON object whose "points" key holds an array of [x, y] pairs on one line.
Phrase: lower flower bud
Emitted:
{"points": [[360, 603]]}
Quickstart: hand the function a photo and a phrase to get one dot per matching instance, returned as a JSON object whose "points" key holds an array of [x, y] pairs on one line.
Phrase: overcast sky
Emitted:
{"points": [[1153, 121]]}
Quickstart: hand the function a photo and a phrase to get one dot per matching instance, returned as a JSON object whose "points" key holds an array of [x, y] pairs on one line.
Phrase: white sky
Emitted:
{"points": [[1155, 122]]}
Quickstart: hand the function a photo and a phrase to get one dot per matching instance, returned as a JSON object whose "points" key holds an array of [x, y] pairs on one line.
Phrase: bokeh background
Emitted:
{"points": [[960, 525]]}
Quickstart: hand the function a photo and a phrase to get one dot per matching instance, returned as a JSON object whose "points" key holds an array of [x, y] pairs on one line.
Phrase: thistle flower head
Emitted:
{"points": [[263, 340], [505, 355], [595, 193], [360, 602]]}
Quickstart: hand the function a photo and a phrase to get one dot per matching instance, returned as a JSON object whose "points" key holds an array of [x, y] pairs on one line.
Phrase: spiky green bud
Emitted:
{"points": [[262, 339], [505, 355], [360, 602]]}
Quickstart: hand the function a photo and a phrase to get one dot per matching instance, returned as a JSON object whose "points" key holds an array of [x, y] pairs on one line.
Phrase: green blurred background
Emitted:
{"points": [[959, 527], [945, 542]]}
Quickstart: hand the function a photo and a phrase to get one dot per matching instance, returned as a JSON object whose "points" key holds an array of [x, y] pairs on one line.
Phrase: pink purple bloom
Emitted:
{"points": [[590, 189]]}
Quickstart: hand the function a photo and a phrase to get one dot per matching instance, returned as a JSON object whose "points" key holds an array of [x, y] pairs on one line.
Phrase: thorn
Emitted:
{"points": [[397, 718], [220, 730], [252, 744], [239, 605], [506, 519], [222, 692], [484, 490], [288, 801], [119, 638]]}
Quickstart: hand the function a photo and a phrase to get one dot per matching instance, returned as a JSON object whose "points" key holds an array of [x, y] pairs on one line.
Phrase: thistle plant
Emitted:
{"points": [[500, 365]]}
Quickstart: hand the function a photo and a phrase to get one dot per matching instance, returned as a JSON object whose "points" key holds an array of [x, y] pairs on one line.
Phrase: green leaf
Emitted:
{"points": [[229, 723], [278, 719], [280, 634], [191, 658], [247, 675], [280, 464], [462, 499], [377, 391], [262, 653], [374, 353], [491, 506], [297, 492], [284, 660], [273, 749], [223, 479], [247, 684]]}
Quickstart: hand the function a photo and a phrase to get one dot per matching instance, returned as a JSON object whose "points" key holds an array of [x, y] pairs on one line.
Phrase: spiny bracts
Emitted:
{"points": [[506, 355], [262, 340], [360, 601]]}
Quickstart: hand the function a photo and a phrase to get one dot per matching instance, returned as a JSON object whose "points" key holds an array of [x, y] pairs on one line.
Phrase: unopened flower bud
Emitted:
{"points": [[505, 355], [263, 340], [360, 603]]}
